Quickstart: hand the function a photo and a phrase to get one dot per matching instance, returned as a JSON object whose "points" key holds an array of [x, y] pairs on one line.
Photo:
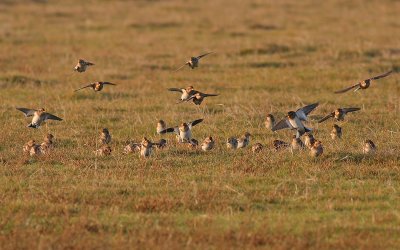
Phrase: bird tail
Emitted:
{"points": [[32, 126]]}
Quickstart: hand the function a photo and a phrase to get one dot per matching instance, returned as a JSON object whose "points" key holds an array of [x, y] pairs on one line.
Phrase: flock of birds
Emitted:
{"points": [[293, 120]]}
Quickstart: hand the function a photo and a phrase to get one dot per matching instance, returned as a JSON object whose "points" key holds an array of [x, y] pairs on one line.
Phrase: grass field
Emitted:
{"points": [[271, 56]]}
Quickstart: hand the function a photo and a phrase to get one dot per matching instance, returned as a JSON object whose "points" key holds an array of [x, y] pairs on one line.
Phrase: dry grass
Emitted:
{"points": [[272, 56]]}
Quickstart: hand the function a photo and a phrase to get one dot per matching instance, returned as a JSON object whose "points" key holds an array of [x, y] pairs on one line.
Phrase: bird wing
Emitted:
{"points": [[194, 123], [109, 83], [181, 66], [347, 89], [304, 111], [48, 116], [282, 124], [326, 117], [186, 100], [87, 86], [168, 130], [381, 76], [176, 89], [27, 112], [203, 55], [348, 110], [207, 95]]}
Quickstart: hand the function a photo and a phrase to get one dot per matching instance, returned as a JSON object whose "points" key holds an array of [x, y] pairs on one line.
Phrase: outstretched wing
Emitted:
{"points": [[87, 86], [194, 123], [175, 89], [27, 112], [326, 117], [304, 111], [381, 76], [181, 66], [282, 124], [52, 117], [168, 130], [348, 110], [347, 89], [207, 95], [109, 83], [203, 55]]}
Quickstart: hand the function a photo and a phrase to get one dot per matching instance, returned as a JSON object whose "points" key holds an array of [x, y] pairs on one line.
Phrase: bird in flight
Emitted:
{"points": [[96, 86], [363, 84], [194, 61], [39, 116], [82, 65], [339, 114]]}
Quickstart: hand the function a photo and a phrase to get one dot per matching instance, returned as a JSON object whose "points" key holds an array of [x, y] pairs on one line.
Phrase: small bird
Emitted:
{"points": [[296, 143], [161, 125], [339, 114], [336, 132], [317, 149], [256, 148], [279, 145], [27, 147], [184, 131], [105, 137], [104, 150], [132, 147], [309, 140], [186, 92], [198, 98], [269, 121], [146, 147], [232, 143], [207, 144], [35, 150], [244, 140], [82, 65], [369, 147], [47, 145], [193, 62], [193, 143], [363, 84], [294, 120], [96, 86], [39, 116]]}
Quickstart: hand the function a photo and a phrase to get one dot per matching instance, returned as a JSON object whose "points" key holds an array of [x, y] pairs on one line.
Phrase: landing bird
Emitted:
{"points": [[198, 98], [39, 116], [336, 132], [363, 84], [339, 114], [256, 148], [186, 92], [105, 137], [193, 62], [317, 149], [82, 65], [184, 131], [208, 144], [96, 86], [294, 120], [269, 121], [369, 147]]}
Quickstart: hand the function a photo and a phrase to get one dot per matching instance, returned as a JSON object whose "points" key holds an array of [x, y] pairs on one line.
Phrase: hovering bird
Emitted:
{"points": [[336, 132], [186, 92], [369, 147], [193, 62], [208, 144], [294, 120], [105, 137], [244, 140], [39, 116], [198, 98], [96, 86], [363, 84], [184, 131], [317, 149], [269, 121], [256, 148], [82, 65], [339, 114]]}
